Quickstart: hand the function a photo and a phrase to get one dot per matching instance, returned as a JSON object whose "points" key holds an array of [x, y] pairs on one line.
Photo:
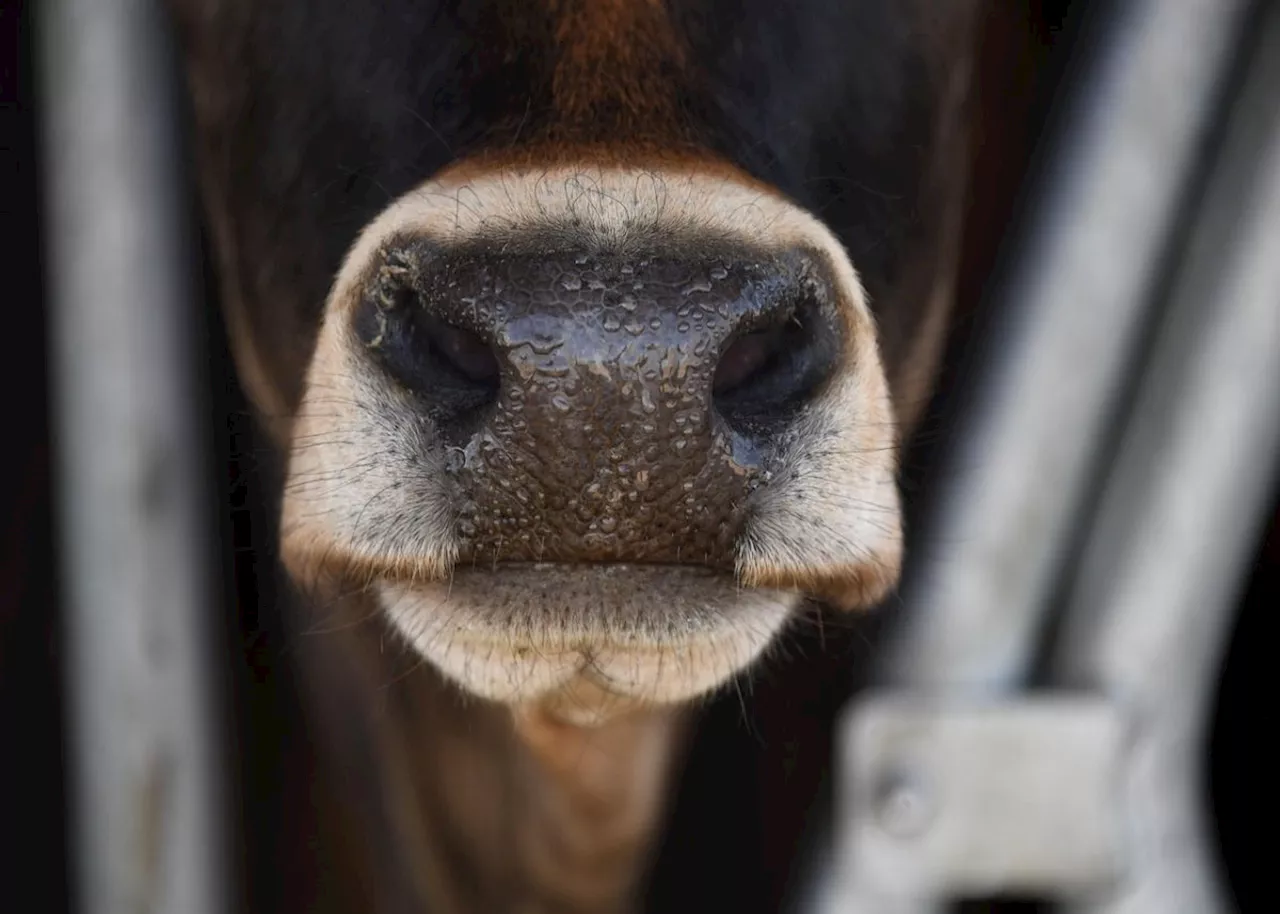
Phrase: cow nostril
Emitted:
{"points": [[462, 350], [764, 377], [745, 357], [452, 370]]}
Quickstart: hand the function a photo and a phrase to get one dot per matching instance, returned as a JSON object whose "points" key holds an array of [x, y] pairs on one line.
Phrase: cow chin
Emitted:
{"points": [[590, 641]]}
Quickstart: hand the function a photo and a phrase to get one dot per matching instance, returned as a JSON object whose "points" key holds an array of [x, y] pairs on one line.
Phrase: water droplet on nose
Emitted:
{"points": [[655, 323], [572, 283], [608, 524], [611, 323], [544, 343], [628, 303], [683, 326], [719, 273], [646, 400], [680, 445], [700, 285], [635, 328], [561, 403], [524, 366], [581, 259]]}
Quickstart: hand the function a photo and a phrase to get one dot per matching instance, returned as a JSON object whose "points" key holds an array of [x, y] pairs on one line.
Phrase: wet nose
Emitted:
{"points": [[597, 407]]}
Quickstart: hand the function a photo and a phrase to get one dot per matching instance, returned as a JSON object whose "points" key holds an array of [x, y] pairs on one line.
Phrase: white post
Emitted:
{"points": [[146, 799]]}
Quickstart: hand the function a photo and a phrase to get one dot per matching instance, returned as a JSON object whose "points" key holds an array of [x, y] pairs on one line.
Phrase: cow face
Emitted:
{"points": [[588, 328]]}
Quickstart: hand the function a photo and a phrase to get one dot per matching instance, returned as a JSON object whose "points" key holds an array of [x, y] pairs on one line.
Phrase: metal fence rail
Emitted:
{"points": [[1072, 308], [1183, 507], [958, 782], [147, 811]]}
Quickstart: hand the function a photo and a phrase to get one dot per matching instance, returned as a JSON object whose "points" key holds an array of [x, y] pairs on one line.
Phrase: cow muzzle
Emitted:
{"points": [[595, 430]]}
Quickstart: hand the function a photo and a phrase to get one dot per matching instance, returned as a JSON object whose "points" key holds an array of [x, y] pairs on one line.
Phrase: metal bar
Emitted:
{"points": [[146, 805], [1183, 507], [1032, 438], [1019, 469]]}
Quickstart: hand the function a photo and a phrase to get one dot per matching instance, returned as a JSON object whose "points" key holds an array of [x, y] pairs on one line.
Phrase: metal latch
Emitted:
{"points": [[947, 799]]}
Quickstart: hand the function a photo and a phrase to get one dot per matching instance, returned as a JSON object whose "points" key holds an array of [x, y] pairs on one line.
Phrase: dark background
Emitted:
{"points": [[275, 814]]}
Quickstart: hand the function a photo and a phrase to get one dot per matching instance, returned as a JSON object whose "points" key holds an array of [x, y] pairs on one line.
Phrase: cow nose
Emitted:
{"points": [[599, 407]]}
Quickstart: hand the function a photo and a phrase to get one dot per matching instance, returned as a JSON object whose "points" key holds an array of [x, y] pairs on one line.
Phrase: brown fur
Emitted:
{"points": [[553, 802], [615, 75]]}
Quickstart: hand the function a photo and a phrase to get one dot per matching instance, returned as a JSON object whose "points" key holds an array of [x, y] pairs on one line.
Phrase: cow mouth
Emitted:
{"points": [[627, 634]]}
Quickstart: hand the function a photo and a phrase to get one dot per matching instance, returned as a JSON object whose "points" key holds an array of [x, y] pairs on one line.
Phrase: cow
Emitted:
{"points": [[586, 335]]}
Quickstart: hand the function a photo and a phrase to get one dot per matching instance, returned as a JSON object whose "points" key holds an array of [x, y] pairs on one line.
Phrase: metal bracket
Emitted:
{"points": [[968, 800]]}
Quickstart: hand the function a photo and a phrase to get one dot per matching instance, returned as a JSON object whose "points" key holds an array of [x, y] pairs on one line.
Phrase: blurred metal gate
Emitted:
{"points": [[1040, 722]]}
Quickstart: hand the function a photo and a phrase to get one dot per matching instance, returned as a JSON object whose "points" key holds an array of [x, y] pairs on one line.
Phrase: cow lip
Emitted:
{"points": [[621, 567], [657, 633], [314, 565], [481, 568], [576, 607]]}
